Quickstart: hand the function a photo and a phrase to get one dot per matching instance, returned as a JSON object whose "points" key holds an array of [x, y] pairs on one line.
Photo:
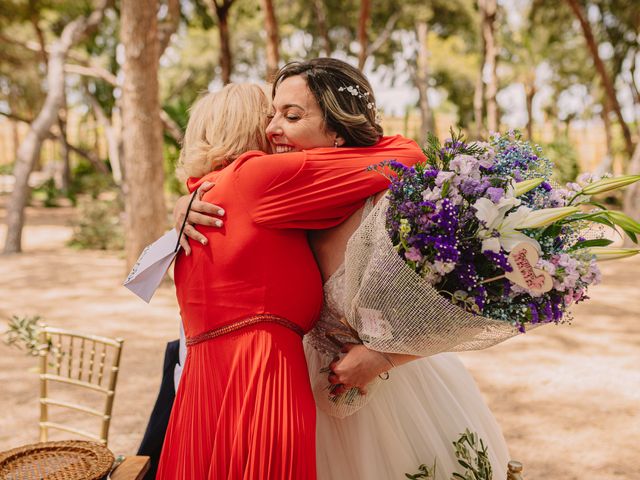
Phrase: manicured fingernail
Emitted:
{"points": [[221, 212], [203, 242], [218, 223]]}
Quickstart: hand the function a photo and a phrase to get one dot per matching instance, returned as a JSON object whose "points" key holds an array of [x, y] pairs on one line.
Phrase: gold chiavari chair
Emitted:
{"points": [[77, 362], [514, 471]]}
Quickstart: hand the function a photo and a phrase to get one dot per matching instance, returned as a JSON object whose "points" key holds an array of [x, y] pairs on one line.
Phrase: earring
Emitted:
{"points": [[335, 143]]}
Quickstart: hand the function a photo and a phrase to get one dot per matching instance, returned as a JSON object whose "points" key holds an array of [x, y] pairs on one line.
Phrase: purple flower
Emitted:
{"points": [[548, 311], [479, 298], [431, 173], [557, 313], [413, 254], [546, 186], [473, 188], [495, 194], [534, 313], [499, 259]]}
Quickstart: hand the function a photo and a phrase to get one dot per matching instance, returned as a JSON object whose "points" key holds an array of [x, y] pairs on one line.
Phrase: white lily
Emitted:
{"points": [[608, 184], [546, 216], [523, 187], [605, 253], [499, 230]]}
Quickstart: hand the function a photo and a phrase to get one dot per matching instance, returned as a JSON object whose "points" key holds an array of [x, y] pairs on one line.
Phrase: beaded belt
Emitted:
{"points": [[255, 319]]}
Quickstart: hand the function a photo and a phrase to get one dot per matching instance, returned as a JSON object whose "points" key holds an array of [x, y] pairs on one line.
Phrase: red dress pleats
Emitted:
{"points": [[249, 416]]}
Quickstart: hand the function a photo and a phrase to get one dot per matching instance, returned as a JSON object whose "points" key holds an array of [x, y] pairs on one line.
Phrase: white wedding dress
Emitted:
{"points": [[412, 418]]}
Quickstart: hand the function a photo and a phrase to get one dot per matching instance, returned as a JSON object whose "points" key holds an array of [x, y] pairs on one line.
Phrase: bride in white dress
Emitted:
{"points": [[410, 419]]}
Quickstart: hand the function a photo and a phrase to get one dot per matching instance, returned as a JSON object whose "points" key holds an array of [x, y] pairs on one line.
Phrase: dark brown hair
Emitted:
{"points": [[352, 117]]}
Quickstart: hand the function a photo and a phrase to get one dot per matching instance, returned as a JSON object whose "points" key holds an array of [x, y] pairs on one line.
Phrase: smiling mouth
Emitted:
{"points": [[283, 148]]}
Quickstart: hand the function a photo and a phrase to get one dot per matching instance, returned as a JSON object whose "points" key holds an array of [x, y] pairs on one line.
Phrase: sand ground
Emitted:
{"points": [[567, 397]]}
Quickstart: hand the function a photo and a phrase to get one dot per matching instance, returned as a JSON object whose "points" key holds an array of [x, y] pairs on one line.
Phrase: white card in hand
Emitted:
{"points": [[152, 265]]}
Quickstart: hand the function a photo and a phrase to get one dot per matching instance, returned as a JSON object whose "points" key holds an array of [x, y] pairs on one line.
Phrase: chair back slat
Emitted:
{"points": [[103, 356], [58, 355], [92, 355], [81, 361], [82, 371], [69, 355]]}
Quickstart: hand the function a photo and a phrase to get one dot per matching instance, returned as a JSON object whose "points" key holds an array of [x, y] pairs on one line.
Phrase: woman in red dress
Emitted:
{"points": [[244, 408]]}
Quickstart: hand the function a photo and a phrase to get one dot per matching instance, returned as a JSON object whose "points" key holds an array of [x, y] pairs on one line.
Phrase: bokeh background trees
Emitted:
{"points": [[94, 94]]}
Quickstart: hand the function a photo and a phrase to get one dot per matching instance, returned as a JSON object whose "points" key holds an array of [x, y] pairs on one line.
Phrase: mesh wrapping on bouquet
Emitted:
{"points": [[395, 310]]}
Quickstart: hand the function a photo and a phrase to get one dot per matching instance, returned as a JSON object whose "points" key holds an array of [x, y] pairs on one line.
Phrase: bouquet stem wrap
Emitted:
{"points": [[395, 310]]}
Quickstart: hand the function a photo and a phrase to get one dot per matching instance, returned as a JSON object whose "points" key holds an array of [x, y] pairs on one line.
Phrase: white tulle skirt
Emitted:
{"points": [[412, 419]]}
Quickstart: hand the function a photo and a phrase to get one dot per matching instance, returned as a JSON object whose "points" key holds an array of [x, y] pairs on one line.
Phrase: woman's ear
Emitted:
{"points": [[338, 141]]}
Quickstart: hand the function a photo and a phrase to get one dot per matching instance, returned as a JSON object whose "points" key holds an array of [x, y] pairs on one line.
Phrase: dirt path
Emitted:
{"points": [[568, 397]]}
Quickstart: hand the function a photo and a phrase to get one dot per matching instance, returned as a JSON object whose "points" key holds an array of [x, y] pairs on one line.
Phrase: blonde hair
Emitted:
{"points": [[222, 126]]}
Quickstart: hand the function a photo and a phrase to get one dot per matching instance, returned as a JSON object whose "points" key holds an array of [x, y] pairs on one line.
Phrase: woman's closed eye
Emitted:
{"points": [[292, 117]]}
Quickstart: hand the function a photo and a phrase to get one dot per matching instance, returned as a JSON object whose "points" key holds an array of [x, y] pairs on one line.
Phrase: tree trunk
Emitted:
{"points": [[226, 60], [363, 40], [632, 194], [606, 165], [634, 87], [30, 148], [65, 172], [422, 80], [145, 210], [323, 30], [530, 92], [113, 135], [488, 10], [169, 25], [478, 104], [602, 72], [271, 27], [15, 134]]}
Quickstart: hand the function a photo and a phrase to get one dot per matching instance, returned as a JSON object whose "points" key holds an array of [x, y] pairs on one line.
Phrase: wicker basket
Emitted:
{"points": [[66, 460]]}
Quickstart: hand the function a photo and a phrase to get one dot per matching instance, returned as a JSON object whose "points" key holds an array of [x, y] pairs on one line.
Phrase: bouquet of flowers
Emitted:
{"points": [[473, 246], [482, 227], [483, 224]]}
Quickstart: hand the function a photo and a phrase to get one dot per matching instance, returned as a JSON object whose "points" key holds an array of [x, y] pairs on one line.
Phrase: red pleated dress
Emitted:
{"points": [[244, 409]]}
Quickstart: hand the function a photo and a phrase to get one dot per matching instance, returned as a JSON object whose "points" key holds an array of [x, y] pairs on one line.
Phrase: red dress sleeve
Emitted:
{"points": [[317, 188]]}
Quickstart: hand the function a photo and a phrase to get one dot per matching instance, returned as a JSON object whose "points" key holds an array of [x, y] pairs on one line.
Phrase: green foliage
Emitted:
{"points": [[564, 158], [86, 180], [473, 456], [98, 226], [48, 193], [454, 70], [23, 333], [424, 473], [171, 155], [7, 168]]}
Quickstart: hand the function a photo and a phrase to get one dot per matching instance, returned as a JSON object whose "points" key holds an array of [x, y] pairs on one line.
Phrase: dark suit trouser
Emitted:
{"points": [[153, 439]]}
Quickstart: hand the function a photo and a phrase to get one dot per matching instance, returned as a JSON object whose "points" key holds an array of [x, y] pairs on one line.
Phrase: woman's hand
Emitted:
{"points": [[357, 369], [201, 213]]}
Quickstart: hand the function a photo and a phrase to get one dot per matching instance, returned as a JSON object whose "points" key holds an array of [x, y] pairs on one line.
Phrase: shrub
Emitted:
{"points": [[48, 193], [564, 158], [23, 334], [98, 226], [85, 179]]}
